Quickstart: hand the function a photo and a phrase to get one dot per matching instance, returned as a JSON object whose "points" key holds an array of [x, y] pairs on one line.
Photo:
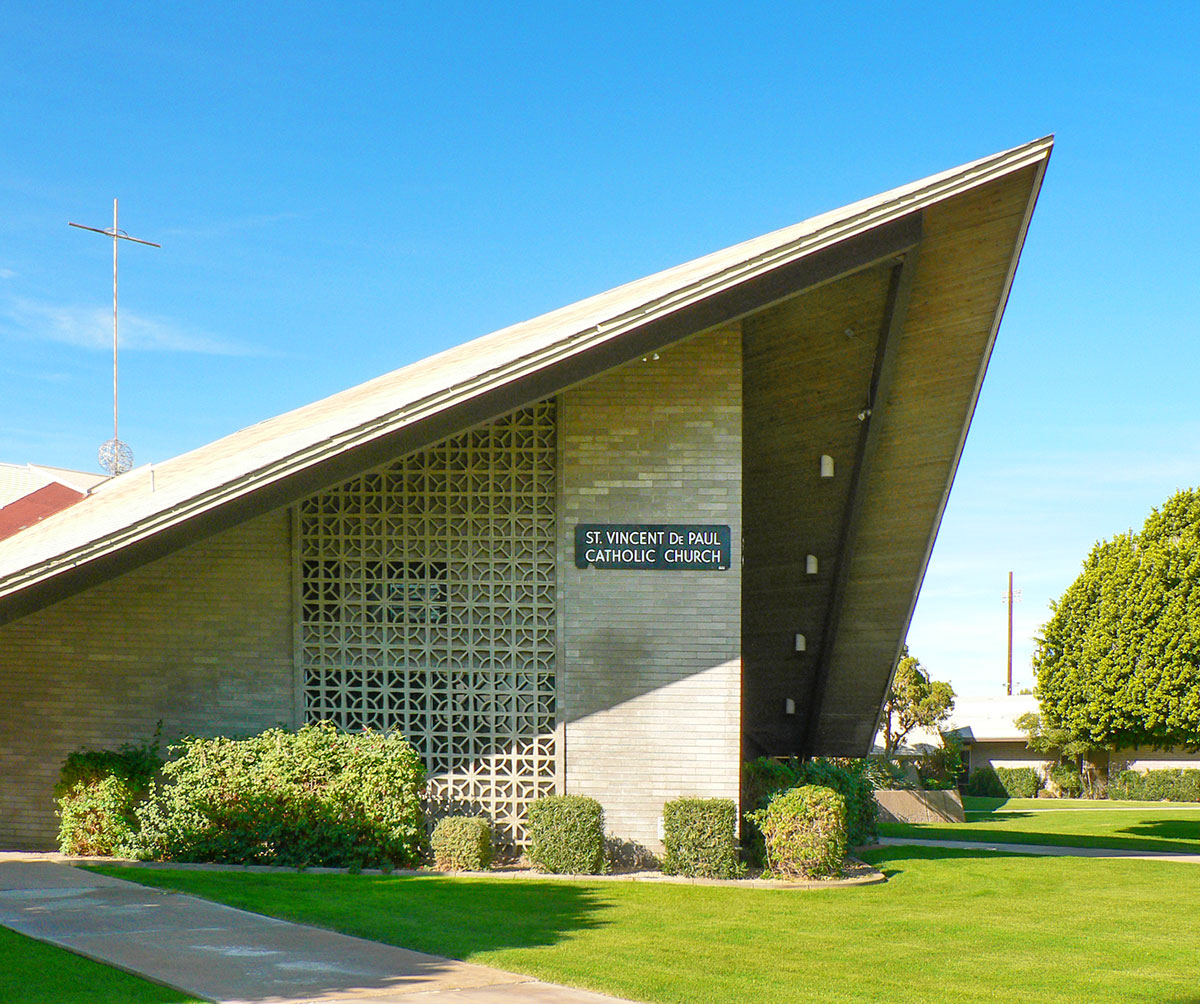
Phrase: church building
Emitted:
{"points": [[615, 550]]}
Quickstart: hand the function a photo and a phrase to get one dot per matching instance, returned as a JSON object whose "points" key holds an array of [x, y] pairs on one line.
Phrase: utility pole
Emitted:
{"points": [[1009, 598], [115, 457]]}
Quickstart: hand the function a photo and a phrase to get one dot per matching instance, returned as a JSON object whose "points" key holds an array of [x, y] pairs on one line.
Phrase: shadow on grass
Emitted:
{"points": [[457, 917], [1169, 829]]}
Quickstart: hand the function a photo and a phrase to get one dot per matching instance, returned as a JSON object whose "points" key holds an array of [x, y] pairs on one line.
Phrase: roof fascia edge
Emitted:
{"points": [[619, 325], [978, 174], [1018, 247], [580, 345], [289, 479]]}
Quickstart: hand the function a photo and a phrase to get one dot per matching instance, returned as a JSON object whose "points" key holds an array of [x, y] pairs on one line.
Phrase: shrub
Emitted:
{"points": [[135, 763], [96, 793], [312, 797], [97, 818], [853, 779], [1156, 785], [984, 781], [462, 843], [567, 835], [1019, 782], [766, 777], [940, 769], [1067, 778], [699, 837], [804, 829], [884, 773]]}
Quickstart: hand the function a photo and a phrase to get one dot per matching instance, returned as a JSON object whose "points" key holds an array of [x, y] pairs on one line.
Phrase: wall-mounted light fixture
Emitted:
{"points": [[789, 706], [826, 465], [800, 643], [810, 564]]}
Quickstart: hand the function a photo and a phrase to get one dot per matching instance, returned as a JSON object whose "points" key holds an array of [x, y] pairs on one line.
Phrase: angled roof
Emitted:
{"points": [[991, 719], [157, 508]]}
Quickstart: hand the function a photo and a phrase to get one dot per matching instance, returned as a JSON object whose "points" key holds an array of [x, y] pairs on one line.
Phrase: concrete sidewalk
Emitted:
{"points": [[1048, 850], [227, 955]]}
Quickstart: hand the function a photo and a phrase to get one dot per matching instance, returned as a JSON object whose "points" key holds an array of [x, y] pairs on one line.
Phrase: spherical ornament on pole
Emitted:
{"points": [[116, 457]]}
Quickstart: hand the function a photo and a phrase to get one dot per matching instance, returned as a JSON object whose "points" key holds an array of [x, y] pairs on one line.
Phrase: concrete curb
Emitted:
{"points": [[866, 874]]}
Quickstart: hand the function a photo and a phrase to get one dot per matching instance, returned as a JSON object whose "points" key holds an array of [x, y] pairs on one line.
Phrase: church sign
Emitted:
{"points": [[660, 546]]}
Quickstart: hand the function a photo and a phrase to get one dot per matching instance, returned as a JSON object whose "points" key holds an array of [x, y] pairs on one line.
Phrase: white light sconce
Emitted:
{"points": [[801, 644], [789, 706], [810, 564], [826, 465]]}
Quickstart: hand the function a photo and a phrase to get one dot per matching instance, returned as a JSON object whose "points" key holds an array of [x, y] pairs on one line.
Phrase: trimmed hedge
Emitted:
{"points": [[1020, 782], [462, 843], [805, 832], [699, 835], [312, 797], [1156, 785], [96, 793], [567, 835], [853, 779]]}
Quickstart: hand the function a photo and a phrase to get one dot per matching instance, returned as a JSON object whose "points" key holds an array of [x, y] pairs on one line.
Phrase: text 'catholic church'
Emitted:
{"points": [[615, 550]]}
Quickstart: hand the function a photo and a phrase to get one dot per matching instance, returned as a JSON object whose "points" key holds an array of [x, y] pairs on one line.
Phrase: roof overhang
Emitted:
{"points": [[156, 509]]}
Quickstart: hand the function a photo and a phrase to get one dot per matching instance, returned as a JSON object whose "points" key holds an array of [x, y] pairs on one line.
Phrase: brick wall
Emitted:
{"points": [[650, 661], [201, 639], [650, 675]]}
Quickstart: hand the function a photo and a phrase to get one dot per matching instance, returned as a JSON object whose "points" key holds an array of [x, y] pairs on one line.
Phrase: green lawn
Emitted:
{"points": [[1150, 826], [32, 972], [948, 925]]}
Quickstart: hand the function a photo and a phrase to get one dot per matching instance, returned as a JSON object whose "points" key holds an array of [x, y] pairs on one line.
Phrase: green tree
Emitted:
{"points": [[1056, 740], [1118, 663], [914, 700]]}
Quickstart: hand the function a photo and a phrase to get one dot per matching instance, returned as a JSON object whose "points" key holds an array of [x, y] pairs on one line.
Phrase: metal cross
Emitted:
{"points": [[115, 457]]}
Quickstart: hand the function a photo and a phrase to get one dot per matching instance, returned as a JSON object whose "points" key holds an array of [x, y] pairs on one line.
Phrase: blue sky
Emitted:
{"points": [[342, 189]]}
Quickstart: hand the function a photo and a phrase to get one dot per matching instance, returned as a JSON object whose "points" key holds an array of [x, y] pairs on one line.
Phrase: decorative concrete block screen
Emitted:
{"points": [[427, 605]]}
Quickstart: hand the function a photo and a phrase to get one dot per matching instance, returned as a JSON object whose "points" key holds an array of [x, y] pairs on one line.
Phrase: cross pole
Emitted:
{"points": [[115, 456]]}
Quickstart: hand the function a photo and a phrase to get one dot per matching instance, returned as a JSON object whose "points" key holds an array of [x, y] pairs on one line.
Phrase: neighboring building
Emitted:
{"points": [[989, 734], [988, 730], [19, 480], [29, 494], [477, 549], [1142, 758]]}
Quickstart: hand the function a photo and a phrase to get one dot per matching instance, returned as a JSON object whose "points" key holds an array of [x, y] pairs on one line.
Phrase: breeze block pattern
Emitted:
{"points": [[427, 605]]}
